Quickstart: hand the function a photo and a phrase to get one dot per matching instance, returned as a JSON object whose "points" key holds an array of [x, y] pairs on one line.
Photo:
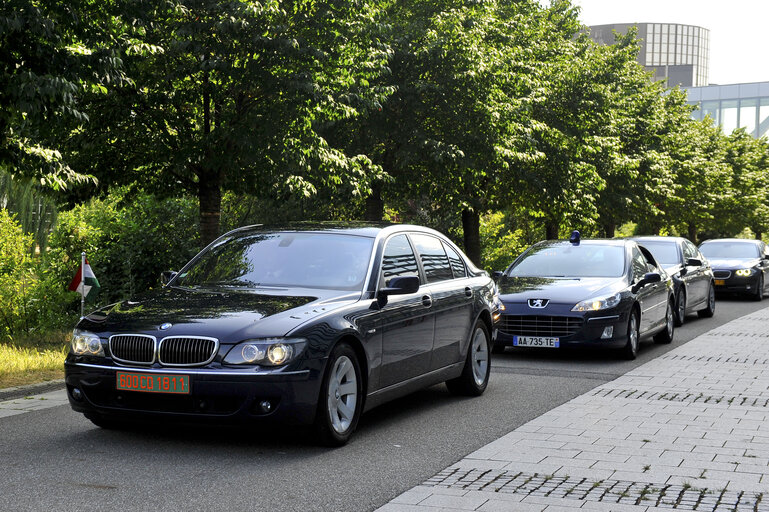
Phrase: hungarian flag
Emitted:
{"points": [[85, 282]]}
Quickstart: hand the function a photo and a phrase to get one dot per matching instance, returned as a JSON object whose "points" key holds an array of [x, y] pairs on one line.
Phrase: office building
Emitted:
{"points": [[734, 106], [675, 53]]}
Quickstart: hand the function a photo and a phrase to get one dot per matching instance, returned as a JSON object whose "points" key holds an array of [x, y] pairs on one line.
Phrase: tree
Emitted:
{"points": [[51, 54], [232, 96]]}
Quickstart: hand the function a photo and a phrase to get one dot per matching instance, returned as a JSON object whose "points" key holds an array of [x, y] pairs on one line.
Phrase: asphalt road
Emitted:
{"points": [[55, 459]]}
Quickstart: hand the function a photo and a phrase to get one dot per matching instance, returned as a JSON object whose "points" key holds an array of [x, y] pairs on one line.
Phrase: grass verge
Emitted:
{"points": [[33, 359]]}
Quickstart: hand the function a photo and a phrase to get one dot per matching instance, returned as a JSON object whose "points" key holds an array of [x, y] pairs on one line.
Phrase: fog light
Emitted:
{"points": [[265, 405], [77, 394], [608, 332]]}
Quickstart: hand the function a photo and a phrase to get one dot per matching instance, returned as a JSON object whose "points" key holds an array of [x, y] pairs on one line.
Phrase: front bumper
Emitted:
{"points": [[588, 335], [215, 395], [735, 283]]}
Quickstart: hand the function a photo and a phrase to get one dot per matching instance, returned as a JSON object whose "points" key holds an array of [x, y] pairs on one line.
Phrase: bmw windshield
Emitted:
{"points": [[585, 260], [282, 260], [729, 250]]}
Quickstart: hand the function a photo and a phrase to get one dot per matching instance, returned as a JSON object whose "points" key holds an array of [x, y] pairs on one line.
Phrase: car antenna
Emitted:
{"points": [[574, 238]]}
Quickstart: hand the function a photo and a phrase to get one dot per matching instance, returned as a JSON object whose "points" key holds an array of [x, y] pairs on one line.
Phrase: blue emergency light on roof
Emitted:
{"points": [[574, 238]]}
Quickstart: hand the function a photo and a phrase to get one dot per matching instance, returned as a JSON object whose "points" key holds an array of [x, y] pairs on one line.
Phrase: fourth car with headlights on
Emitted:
{"points": [[739, 265], [588, 293], [308, 325]]}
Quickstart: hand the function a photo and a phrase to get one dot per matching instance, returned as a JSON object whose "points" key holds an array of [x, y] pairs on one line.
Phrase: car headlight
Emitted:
{"points": [[266, 351], [598, 303], [86, 343], [744, 272]]}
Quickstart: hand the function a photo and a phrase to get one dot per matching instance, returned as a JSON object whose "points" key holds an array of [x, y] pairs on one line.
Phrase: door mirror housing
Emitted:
{"points": [[496, 275], [694, 262], [398, 286], [648, 278], [166, 276]]}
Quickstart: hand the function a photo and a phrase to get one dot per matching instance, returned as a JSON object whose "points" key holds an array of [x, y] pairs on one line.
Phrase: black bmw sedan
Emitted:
{"points": [[594, 293], [693, 282], [310, 325], [739, 265]]}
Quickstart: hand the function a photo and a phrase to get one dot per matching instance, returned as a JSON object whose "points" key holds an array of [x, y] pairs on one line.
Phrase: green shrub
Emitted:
{"points": [[500, 245], [128, 242], [16, 275]]}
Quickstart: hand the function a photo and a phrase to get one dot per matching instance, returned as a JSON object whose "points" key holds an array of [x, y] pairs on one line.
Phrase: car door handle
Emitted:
{"points": [[427, 301], [468, 291]]}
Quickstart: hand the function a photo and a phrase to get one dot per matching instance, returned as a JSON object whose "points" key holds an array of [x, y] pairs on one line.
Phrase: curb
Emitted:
{"points": [[31, 389]]}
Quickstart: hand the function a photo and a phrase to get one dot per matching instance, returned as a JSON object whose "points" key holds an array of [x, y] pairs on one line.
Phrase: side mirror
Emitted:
{"points": [[166, 276], [398, 286], [648, 278], [496, 275], [694, 262]]}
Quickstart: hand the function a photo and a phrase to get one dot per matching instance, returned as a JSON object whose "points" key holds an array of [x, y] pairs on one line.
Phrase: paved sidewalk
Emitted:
{"points": [[33, 403], [686, 431]]}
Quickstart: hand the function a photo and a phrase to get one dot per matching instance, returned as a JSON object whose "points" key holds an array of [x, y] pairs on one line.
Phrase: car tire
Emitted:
{"points": [[680, 307], [341, 397], [666, 335], [710, 309], [759, 295], [475, 373], [630, 351]]}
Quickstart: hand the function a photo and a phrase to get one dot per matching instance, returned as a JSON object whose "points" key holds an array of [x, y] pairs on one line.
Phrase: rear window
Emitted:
{"points": [[586, 260]]}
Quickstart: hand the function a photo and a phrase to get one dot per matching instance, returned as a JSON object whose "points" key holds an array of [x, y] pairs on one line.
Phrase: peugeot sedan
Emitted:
{"points": [[739, 265], [584, 293], [693, 281], [309, 325]]}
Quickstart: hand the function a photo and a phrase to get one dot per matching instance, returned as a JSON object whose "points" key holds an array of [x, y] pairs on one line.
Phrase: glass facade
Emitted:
{"points": [[734, 106], [670, 44]]}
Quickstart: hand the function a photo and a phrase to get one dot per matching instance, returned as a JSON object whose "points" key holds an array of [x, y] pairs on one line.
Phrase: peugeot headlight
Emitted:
{"points": [[598, 303], [744, 272], [266, 351], [86, 343]]}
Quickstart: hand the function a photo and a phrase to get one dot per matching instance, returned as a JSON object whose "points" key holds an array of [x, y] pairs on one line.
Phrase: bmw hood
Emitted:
{"points": [[224, 314], [733, 263], [558, 290]]}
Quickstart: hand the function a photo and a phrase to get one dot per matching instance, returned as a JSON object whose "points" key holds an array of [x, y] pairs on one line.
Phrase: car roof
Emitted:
{"points": [[732, 240], [356, 228], [657, 238], [617, 242]]}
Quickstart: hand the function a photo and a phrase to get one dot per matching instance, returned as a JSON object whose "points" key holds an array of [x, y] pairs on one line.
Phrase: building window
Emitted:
{"points": [[748, 114], [729, 115], [763, 118]]}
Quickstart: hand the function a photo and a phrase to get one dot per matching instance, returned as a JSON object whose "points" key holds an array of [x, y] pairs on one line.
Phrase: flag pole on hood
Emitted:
{"points": [[82, 284]]}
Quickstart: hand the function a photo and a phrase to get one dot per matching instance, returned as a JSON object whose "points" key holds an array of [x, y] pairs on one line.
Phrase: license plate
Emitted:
{"points": [[720, 282], [153, 383], [536, 341]]}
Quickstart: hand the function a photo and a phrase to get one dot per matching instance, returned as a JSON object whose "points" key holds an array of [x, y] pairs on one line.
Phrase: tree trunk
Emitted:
{"points": [[471, 225], [692, 228], [374, 203], [210, 198], [608, 229], [759, 235], [551, 230]]}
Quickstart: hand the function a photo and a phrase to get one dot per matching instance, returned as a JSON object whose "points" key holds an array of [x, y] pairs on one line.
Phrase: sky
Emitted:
{"points": [[739, 29]]}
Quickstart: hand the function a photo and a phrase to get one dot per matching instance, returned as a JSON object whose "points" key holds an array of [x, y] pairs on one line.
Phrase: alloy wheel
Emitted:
{"points": [[480, 356], [342, 394]]}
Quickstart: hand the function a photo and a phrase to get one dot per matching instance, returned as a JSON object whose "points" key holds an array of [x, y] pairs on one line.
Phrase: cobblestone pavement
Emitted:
{"points": [[686, 431]]}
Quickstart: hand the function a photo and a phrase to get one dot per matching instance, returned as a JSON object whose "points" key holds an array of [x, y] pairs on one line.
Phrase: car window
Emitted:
{"points": [[640, 265], [689, 250], [433, 258], [666, 253], [398, 259], [282, 259], [457, 265], [567, 260], [730, 250]]}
